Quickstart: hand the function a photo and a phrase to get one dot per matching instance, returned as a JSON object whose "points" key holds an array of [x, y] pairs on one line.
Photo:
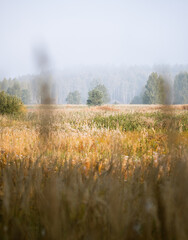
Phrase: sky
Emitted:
{"points": [[92, 32]]}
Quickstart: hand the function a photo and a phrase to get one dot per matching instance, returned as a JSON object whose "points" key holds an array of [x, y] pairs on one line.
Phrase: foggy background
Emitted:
{"points": [[114, 42], [87, 32]]}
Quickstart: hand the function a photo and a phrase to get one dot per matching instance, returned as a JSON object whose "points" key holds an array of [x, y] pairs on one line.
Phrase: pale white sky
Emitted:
{"points": [[88, 32]]}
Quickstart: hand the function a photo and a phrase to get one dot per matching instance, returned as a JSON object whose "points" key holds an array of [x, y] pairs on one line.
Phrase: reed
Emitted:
{"points": [[65, 176]]}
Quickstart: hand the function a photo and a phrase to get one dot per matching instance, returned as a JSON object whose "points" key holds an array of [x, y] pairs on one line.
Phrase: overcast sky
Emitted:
{"points": [[88, 32]]}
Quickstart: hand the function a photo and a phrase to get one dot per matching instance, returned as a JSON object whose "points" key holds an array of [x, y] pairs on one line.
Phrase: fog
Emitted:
{"points": [[92, 32]]}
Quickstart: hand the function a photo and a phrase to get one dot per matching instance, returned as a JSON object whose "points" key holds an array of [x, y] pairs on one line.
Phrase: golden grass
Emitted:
{"points": [[64, 178]]}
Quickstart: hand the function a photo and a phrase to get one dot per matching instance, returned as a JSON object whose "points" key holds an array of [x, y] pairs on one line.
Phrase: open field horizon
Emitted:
{"points": [[116, 168]]}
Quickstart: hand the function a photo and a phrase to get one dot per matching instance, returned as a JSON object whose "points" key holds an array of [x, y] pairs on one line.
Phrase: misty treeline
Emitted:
{"points": [[159, 89], [124, 84]]}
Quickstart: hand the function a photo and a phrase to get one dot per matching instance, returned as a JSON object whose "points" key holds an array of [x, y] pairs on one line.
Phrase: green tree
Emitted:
{"points": [[15, 90], [10, 104], [181, 88], [95, 97], [73, 98], [4, 85], [103, 89], [155, 90], [25, 96]]}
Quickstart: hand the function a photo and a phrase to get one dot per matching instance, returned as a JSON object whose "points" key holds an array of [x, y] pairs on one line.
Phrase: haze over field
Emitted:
{"points": [[76, 161], [85, 32]]}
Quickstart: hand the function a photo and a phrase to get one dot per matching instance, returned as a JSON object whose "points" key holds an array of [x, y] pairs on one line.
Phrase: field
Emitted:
{"points": [[109, 172]]}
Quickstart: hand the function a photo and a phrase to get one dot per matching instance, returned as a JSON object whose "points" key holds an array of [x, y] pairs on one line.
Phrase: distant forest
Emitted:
{"points": [[124, 84]]}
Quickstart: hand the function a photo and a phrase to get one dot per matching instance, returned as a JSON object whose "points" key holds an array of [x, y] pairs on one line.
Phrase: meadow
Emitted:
{"points": [[108, 172]]}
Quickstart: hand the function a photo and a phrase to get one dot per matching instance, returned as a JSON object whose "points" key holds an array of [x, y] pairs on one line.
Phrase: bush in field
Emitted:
{"points": [[98, 95], [10, 104], [95, 97]]}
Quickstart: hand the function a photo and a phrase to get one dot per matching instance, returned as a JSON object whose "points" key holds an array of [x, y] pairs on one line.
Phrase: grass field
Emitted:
{"points": [[109, 172]]}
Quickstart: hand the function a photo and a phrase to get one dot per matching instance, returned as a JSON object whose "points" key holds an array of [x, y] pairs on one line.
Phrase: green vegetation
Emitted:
{"points": [[128, 122], [95, 97], [99, 95], [73, 98], [128, 86], [25, 96], [10, 104], [13, 88], [181, 88], [139, 121], [103, 89], [155, 90]]}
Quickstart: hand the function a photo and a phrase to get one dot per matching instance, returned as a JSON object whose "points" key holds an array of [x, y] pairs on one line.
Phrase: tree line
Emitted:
{"points": [[154, 88], [159, 90], [13, 88]]}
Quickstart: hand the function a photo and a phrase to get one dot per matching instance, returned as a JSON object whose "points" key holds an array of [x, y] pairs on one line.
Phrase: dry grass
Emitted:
{"points": [[62, 177]]}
